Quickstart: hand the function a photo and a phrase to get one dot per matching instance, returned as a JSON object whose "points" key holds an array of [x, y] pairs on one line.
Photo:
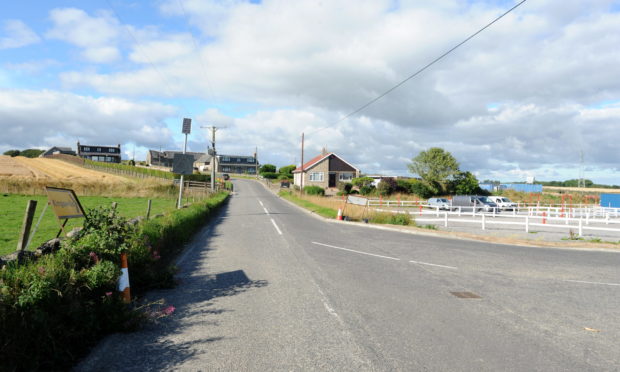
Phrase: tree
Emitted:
{"points": [[287, 170], [267, 168], [465, 183], [11, 153], [31, 153], [362, 181], [436, 167], [387, 186]]}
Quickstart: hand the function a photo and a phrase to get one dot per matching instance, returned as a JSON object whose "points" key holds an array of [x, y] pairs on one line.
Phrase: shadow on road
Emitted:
{"points": [[170, 341]]}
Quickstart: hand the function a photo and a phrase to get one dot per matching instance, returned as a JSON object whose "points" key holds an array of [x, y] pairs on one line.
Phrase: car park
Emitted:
{"points": [[441, 203], [503, 202], [469, 203]]}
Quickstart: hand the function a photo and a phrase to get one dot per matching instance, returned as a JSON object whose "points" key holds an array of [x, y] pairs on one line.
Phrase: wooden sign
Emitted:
{"points": [[64, 202]]}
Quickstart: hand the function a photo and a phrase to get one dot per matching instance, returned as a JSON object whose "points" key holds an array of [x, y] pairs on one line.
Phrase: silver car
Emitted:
{"points": [[442, 203]]}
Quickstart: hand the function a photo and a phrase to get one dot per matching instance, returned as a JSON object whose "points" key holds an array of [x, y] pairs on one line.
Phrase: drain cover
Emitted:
{"points": [[465, 295]]}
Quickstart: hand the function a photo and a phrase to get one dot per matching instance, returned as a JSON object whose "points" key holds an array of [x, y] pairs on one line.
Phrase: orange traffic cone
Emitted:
{"points": [[339, 214], [123, 281]]}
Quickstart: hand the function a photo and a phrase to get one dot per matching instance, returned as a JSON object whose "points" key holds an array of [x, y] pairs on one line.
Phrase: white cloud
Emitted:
{"points": [[97, 35], [17, 34], [51, 118]]}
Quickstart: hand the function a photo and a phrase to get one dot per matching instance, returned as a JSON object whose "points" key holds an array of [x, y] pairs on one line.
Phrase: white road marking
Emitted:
{"points": [[431, 264], [266, 211], [585, 282], [276, 226], [261, 203], [354, 251]]}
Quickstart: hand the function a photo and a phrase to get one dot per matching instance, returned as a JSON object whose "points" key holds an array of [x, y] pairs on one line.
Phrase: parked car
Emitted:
{"points": [[442, 203], [503, 202], [225, 176], [471, 202]]}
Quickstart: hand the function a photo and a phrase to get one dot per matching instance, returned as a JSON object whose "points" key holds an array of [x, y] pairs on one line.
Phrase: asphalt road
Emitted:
{"points": [[268, 287]]}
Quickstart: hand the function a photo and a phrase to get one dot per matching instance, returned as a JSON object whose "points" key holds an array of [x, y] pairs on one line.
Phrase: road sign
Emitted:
{"points": [[187, 126], [64, 202], [183, 164]]}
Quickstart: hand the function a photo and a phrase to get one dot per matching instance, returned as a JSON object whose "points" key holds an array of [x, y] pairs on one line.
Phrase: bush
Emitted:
{"points": [[284, 177], [344, 187], [314, 190], [403, 219], [362, 181], [387, 186], [267, 168], [421, 189], [367, 190], [403, 186], [287, 170], [269, 175]]}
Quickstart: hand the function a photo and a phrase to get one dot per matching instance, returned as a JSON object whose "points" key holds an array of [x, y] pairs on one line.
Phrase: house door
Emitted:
{"points": [[332, 180]]}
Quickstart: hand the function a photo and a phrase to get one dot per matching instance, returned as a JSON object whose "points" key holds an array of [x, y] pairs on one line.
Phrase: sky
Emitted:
{"points": [[536, 94]]}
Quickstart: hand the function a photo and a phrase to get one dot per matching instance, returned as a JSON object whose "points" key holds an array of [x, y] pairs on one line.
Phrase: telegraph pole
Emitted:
{"points": [[256, 160], [301, 179], [186, 129], [213, 155]]}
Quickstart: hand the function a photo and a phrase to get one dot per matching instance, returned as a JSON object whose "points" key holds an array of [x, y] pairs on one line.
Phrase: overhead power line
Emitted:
{"points": [[422, 69]]}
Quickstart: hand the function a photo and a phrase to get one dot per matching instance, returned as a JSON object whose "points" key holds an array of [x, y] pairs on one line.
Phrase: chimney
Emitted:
{"points": [[324, 151]]}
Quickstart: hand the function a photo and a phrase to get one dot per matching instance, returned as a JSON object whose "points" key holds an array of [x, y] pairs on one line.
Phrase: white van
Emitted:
{"points": [[503, 202]]}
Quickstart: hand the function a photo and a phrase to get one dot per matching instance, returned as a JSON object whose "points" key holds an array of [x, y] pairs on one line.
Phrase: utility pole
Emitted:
{"points": [[186, 129], [213, 155], [256, 160], [301, 179]]}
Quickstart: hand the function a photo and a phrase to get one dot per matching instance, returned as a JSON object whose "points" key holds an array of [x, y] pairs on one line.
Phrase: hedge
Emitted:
{"points": [[146, 171], [54, 309]]}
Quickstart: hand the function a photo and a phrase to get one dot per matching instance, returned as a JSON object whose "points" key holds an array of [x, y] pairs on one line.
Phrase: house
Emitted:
{"points": [[203, 163], [238, 164], [325, 170], [57, 151], [166, 158], [106, 154]]}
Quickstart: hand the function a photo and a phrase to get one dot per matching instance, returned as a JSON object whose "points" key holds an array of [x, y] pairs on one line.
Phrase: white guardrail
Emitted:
{"points": [[555, 217]]}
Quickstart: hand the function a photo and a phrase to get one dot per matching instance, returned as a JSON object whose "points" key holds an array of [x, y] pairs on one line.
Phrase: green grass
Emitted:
{"points": [[322, 211], [13, 208]]}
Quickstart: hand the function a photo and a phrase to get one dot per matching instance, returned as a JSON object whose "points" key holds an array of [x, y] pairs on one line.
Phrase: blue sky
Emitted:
{"points": [[521, 99]]}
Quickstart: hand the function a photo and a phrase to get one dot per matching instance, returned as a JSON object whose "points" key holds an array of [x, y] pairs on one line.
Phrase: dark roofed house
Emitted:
{"points": [[238, 164], [166, 158], [325, 170], [57, 150], [106, 154]]}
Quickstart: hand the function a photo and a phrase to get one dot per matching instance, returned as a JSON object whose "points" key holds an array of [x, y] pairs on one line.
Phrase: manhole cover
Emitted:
{"points": [[465, 295]]}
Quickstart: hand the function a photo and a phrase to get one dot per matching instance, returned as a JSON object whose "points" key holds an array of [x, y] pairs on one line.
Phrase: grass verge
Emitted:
{"points": [[318, 209]]}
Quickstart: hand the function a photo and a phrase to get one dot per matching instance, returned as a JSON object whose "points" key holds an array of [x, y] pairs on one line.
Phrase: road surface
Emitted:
{"points": [[268, 287]]}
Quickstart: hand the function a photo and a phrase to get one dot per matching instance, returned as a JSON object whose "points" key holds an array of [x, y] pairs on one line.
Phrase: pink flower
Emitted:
{"points": [[156, 255], [169, 310], [93, 256], [108, 294], [41, 270]]}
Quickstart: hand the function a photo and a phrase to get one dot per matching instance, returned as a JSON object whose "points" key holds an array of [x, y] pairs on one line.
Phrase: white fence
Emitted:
{"points": [[579, 219]]}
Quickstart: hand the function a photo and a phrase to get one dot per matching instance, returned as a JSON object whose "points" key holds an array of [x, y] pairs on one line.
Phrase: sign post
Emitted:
{"points": [[187, 128], [65, 204]]}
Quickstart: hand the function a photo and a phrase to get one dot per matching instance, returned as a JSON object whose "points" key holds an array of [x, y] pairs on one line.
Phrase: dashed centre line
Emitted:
{"points": [[436, 265], [360, 252], [586, 282], [276, 226]]}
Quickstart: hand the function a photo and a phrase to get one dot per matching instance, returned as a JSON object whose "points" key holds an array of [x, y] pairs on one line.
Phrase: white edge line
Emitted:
{"points": [[261, 203], [586, 282], [431, 264], [276, 226], [266, 211], [351, 250]]}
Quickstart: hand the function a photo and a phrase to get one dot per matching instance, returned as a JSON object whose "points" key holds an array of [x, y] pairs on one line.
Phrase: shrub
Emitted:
{"points": [[314, 190], [283, 177], [269, 175], [403, 186], [267, 168], [394, 219], [367, 190], [287, 170], [344, 187], [421, 189], [387, 186]]}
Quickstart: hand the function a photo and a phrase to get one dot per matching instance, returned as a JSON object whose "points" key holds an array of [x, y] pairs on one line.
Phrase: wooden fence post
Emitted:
{"points": [[148, 210], [23, 237]]}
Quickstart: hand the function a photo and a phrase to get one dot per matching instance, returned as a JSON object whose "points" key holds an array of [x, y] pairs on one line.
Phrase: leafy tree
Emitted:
{"points": [[362, 181], [267, 168], [464, 183], [367, 189], [12, 153], [31, 153], [287, 170], [436, 167]]}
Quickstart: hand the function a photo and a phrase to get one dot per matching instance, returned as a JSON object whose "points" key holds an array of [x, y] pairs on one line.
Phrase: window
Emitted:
{"points": [[225, 158], [98, 149], [238, 160], [87, 149], [225, 169], [316, 176], [250, 160], [112, 150], [345, 176]]}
